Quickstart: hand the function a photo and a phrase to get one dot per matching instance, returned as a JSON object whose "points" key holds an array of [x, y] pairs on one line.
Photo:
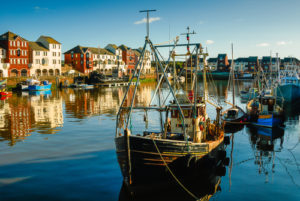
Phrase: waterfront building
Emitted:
{"points": [[146, 60], [223, 63], [80, 58], [128, 56], [240, 64], [3, 66], [290, 63], [45, 57], [252, 64], [17, 54], [212, 63], [108, 62]]}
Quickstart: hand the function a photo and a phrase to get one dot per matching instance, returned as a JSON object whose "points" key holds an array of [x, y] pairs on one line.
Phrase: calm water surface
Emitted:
{"points": [[60, 146]]}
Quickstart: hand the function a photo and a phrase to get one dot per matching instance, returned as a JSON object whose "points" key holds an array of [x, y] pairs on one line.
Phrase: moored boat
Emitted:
{"points": [[235, 114], [264, 111], [40, 87], [186, 134]]}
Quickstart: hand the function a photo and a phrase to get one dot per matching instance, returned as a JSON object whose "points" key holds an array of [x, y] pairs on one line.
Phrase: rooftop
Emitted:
{"points": [[37, 46], [50, 40]]}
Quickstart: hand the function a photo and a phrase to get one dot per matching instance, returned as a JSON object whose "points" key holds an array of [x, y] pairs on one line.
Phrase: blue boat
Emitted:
{"points": [[264, 111], [44, 87], [289, 89]]}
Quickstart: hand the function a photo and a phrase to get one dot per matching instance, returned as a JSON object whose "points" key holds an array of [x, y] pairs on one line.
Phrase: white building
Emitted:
{"points": [[3, 66], [240, 64], [106, 61], [45, 57], [146, 60]]}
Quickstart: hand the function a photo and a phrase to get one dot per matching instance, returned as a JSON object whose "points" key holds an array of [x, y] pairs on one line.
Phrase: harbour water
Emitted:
{"points": [[60, 146]]}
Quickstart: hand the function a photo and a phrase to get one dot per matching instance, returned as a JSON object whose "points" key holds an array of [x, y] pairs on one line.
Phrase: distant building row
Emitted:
{"points": [[110, 59], [250, 64], [20, 57]]}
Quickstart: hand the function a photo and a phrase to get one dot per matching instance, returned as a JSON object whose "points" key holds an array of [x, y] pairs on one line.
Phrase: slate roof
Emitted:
{"points": [[83, 50], [252, 59], [241, 59], [123, 47], [37, 46], [50, 40], [10, 36]]}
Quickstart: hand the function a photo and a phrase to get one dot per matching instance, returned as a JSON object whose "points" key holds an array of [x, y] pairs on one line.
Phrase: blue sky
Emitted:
{"points": [[256, 27]]}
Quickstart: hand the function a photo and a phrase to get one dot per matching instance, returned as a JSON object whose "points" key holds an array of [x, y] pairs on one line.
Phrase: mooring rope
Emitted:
{"points": [[173, 175]]}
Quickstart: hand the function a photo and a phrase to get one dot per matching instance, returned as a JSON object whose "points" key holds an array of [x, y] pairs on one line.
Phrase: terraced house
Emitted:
{"points": [[45, 56], [80, 58], [16, 57], [3, 66], [106, 60]]}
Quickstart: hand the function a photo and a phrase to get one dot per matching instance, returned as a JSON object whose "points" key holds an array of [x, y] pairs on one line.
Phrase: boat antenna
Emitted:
{"points": [[147, 24], [187, 34]]}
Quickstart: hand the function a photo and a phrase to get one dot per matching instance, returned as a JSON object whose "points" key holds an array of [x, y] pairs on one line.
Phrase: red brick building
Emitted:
{"points": [[80, 58], [17, 54], [129, 57]]}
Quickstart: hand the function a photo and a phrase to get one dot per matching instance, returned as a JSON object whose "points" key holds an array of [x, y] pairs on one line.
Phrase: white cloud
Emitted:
{"points": [[284, 42], [37, 8], [208, 42], [151, 19], [263, 45]]}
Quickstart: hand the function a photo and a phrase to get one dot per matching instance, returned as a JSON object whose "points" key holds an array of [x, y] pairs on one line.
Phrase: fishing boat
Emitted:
{"points": [[216, 75], [37, 86], [235, 114], [202, 183], [263, 111], [185, 134], [288, 84]]}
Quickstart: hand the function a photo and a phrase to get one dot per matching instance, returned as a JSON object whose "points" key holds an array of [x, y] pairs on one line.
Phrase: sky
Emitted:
{"points": [[255, 27]]}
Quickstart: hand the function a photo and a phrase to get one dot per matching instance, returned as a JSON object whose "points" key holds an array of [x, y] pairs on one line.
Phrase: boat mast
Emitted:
{"points": [[233, 80], [278, 68]]}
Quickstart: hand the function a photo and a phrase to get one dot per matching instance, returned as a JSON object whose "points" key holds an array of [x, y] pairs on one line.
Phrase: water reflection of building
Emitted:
{"points": [[47, 113], [17, 119], [21, 115], [83, 103]]}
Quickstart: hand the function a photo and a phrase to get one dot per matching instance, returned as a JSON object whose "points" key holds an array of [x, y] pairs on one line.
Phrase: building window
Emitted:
{"points": [[54, 61], [10, 43], [18, 61], [14, 43], [37, 53], [45, 53], [18, 43], [25, 44], [25, 61], [59, 54], [58, 61]]}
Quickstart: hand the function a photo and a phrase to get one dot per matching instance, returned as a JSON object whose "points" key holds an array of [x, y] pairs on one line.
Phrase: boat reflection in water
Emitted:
{"points": [[200, 182], [263, 142]]}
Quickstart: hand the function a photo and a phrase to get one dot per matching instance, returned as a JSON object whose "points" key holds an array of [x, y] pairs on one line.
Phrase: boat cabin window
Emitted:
{"points": [[231, 113]]}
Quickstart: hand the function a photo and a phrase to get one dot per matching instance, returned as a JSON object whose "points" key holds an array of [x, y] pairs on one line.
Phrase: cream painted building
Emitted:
{"points": [[146, 60], [45, 57], [105, 61], [3, 66]]}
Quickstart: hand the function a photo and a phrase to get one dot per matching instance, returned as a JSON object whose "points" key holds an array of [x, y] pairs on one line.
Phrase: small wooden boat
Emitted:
{"points": [[235, 114]]}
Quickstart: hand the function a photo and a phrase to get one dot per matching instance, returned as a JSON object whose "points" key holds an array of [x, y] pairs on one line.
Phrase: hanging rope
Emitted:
{"points": [[173, 175]]}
